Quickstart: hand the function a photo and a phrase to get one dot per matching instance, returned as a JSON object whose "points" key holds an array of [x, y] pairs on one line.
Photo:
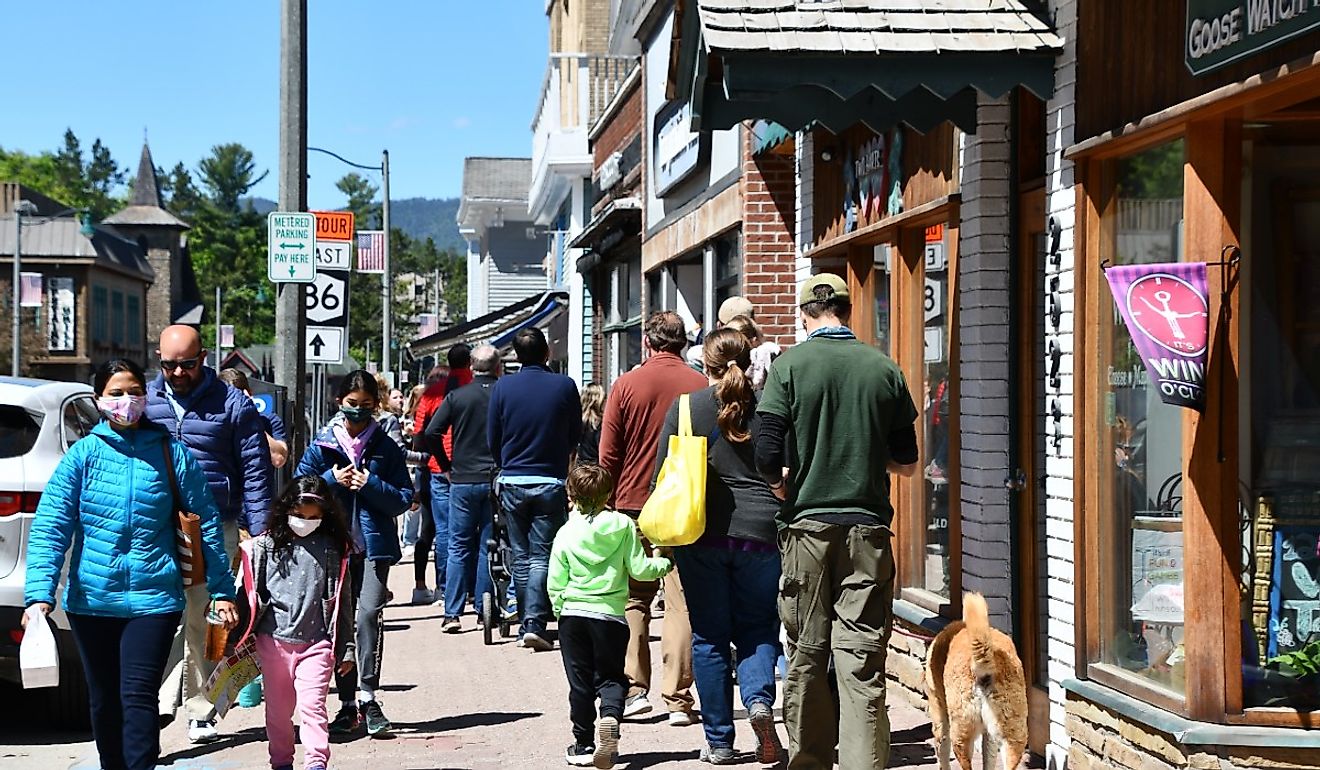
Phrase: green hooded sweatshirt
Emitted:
{"points": [[591, 561]]}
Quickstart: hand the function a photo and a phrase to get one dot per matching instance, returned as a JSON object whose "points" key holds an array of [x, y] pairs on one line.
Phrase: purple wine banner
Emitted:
{"points": [[1167, 313]]}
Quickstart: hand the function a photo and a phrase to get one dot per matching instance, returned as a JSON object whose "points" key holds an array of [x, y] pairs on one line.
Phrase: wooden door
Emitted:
{"points": [[1025, 479]]}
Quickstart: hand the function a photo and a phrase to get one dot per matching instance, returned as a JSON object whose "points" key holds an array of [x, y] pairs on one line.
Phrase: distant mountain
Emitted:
{"points": [[435, 218], [418, 217]]}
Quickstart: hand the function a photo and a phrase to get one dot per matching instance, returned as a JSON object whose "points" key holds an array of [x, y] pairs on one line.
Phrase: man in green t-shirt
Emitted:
{"points": [[836, 419]]}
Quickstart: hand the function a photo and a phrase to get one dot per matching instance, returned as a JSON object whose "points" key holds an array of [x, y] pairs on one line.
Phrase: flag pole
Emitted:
{"points": [[387, 287]]}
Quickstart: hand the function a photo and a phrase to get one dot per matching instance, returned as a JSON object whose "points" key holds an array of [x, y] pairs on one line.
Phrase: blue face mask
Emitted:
{"points": [[356, 414]]}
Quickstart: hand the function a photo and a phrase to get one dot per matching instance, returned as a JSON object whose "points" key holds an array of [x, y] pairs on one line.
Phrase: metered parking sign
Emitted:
{"points": [[291, 247]]}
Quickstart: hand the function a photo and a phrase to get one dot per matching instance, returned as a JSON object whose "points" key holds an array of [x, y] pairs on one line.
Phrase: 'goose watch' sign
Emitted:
{"points": [[1222, 31]]}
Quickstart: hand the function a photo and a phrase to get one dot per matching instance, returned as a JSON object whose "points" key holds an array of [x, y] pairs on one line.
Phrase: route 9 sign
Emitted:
{"points": [[326, 299]]}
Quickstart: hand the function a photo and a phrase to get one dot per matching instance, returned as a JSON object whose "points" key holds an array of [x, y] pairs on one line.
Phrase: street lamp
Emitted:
{"points": [[28, 207], [388, 287]]}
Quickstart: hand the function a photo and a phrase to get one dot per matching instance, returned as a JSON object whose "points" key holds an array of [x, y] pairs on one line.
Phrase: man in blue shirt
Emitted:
{"points": [[534, 423]]}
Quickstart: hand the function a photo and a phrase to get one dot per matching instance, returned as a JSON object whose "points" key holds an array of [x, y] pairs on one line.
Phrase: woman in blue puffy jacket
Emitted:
{"points": [[368, 474], [110, 498]]}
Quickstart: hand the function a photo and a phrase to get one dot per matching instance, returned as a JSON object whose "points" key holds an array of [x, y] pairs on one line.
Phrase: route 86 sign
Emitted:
{"points": [[327, 298]]}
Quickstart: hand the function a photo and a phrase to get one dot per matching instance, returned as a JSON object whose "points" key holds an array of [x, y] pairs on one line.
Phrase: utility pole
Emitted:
{"points": [[290, 309], [17, 298], [217, 328], [388, 288]]}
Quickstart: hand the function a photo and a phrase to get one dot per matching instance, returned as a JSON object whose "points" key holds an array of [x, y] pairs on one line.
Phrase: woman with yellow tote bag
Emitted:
{"points": [[675, 513]]}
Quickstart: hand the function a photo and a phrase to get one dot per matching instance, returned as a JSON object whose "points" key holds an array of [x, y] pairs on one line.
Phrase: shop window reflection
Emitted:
{"points": [[1280, 429], [1141, 460], [937, 395]]}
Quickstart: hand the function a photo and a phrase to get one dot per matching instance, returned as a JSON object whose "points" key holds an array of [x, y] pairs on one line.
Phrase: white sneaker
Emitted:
{"points": [[202, 732], [682, 718], [636, 705], [535, 643]]}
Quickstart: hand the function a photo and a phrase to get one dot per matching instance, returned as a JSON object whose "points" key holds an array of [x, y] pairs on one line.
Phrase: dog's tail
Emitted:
{"points": [[977, 620]]}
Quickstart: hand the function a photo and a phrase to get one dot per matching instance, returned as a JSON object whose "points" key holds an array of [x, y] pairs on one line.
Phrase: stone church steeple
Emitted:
{"points": [[173, 297]]}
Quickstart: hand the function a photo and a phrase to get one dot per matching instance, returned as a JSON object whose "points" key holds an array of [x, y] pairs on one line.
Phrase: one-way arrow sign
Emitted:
{"points": [[325, 345]]}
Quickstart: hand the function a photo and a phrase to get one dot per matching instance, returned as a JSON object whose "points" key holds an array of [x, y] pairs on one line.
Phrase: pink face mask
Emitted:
{"points": [[122, 410]]}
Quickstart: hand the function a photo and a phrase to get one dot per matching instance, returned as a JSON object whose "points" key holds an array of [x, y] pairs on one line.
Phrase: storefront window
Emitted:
{"points": [[881, 278], [726, 268], [1280, 427], [1141, 442], [935, 368]]}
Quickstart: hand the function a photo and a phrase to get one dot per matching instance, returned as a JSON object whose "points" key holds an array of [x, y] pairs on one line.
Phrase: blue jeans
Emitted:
{"points": [[732, 600], [469, 529], [535, 513], [440, 515]]}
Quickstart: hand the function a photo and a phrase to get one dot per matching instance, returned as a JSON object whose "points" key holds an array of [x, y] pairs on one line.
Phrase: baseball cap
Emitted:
{"points": [[808, 291], [735, 306]]}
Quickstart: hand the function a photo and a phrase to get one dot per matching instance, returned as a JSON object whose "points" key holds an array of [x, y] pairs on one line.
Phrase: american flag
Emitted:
{"points": [[29, 290], [371, 251]]}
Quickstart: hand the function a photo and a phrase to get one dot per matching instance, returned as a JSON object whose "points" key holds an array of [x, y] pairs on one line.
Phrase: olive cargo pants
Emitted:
{"points": [[836, 601]]}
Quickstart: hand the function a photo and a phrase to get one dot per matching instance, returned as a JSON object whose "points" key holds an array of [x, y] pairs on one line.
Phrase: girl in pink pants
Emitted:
{"points": [[293, 575]]}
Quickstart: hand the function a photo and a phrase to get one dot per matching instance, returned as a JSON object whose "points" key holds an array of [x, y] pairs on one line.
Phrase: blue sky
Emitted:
{"points": [[432, 81]]}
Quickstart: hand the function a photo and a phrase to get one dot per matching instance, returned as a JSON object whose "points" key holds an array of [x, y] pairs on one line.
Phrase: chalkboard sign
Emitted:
{"points": [[1295, 588]]}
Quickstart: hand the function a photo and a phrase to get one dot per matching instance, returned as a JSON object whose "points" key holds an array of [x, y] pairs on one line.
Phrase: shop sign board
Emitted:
{"points": [[1220, 32], [678, 150]]}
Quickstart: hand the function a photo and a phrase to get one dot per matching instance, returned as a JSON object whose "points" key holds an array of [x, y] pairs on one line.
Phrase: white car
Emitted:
{"points": [[39, 420]]}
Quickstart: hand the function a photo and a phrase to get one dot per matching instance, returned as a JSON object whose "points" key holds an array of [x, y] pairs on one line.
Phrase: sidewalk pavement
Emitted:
{"points": [[455, 703]]}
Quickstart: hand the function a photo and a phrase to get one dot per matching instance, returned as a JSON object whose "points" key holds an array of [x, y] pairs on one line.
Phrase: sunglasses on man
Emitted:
{"points": [[186, 364]]}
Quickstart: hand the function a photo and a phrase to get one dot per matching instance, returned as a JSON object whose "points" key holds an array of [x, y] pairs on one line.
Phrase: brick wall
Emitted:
{"points": [[626, 124], [984, 263], [1060, 205], [770, 188]]}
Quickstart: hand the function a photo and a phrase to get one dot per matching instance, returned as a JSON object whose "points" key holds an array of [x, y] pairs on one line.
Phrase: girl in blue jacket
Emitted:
{"points": [[368, 474], [110, 498]]}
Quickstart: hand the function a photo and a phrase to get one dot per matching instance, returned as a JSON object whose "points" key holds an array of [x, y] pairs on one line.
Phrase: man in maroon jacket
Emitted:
{"points": [[629, 440]]}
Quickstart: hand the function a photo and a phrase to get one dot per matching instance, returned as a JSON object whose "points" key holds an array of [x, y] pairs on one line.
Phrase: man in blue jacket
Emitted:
{"points": [[533, 426], [221, 427]]}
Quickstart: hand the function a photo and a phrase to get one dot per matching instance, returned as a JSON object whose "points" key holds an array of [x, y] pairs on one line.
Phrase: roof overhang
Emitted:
{"points": [[620, 217], [883, 66]]}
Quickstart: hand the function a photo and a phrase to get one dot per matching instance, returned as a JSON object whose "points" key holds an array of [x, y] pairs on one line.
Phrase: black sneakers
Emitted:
{"points": [[578, 755], [347, 721], [377, 724]]}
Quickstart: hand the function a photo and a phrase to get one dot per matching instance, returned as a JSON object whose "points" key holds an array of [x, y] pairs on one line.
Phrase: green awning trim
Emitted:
{"points": [[767, 135]]}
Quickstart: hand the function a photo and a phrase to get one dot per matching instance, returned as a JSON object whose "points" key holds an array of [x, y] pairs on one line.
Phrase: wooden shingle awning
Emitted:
{"points": [[841, 62]]}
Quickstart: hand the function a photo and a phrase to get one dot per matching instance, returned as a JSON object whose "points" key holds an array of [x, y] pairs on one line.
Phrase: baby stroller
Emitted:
{"points": [[499, 563]]}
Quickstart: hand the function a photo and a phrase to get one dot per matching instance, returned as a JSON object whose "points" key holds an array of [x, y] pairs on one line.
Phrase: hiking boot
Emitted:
{"points": [[377, 724], [768, 747], [607, 743], [578, 755], [722, 755], [347, 721]]}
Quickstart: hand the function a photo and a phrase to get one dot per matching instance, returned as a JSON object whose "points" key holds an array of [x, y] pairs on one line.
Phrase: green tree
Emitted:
{"points": [[361, 194], [67, 176], [227, 241]]}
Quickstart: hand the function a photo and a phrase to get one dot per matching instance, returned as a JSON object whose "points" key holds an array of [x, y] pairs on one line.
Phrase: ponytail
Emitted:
{"points": [[727, 355]]}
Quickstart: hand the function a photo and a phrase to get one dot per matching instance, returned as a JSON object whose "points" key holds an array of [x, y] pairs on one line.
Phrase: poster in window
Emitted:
{"points": [[1295, 588], [60, 325]]}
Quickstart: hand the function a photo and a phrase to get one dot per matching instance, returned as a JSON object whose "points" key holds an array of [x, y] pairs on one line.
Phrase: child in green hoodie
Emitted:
{"points": [[593, 556]]}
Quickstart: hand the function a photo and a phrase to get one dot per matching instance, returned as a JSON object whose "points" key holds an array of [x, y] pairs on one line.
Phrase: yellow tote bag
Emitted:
{"points": [[675, 513]]}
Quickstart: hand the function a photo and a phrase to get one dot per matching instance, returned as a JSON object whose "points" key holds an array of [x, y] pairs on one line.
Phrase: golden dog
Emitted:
{"points": [[975, 688]]}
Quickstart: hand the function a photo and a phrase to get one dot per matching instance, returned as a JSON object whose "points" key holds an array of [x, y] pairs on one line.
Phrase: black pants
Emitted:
{"points": [[425, 542], [593, 652], [124, 661]]}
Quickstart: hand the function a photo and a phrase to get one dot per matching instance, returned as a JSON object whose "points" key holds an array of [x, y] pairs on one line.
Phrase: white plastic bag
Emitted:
{"points": [[38, 657]]}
